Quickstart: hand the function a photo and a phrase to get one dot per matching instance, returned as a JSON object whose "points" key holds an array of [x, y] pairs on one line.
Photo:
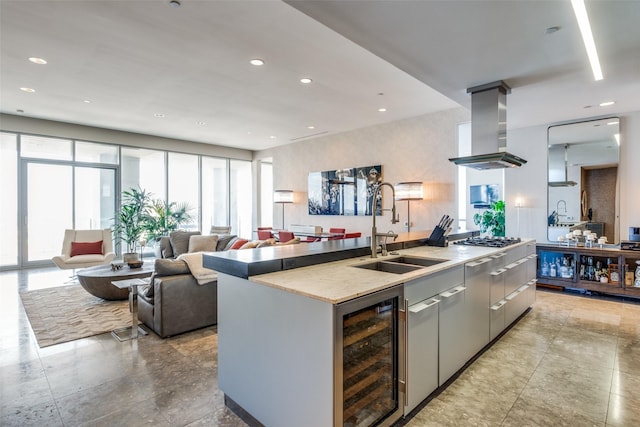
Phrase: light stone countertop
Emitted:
{"points": [[339, 281]]}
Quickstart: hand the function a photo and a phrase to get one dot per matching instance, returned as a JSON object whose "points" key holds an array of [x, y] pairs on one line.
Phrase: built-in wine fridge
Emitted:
{"points": [[369, 372]]}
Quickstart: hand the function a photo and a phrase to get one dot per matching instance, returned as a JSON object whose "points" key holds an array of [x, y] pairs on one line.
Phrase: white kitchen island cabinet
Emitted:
{"points": [[280, 332]]}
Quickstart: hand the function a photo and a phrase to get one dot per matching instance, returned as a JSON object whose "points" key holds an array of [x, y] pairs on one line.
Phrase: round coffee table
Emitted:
{"points": [[97, 280]]}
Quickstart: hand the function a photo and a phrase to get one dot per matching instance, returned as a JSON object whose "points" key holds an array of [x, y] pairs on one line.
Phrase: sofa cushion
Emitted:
{"points": [[170, 267], [146, 292], [180, 241], [250, 245], [225, 241], [237, 243], [86, 248], [293, 241], [200, 243], [267, 242]]}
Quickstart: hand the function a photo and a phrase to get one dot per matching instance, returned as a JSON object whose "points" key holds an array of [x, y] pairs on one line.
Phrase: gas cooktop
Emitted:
{"points": [[492, 242]]}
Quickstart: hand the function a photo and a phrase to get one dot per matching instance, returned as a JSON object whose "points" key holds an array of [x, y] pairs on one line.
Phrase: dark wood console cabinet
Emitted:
{"points": [[607, 270]]}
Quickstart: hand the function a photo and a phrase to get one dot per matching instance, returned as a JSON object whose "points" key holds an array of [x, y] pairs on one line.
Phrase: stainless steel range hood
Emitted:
{"points": [[489, 129]]}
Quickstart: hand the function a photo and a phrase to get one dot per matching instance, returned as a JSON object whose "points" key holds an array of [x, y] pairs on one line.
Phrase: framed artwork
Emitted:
{"points": [[344, 191]]}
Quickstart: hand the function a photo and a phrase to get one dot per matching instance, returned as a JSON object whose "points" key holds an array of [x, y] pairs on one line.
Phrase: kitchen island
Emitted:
{"points": [[287, 337]]}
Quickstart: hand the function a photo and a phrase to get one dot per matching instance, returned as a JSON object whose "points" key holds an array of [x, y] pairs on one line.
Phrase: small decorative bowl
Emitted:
{"points": [[135, 264]]}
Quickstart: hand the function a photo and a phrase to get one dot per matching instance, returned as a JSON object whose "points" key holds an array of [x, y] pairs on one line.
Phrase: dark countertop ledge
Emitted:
{"points": [[251, 262]]}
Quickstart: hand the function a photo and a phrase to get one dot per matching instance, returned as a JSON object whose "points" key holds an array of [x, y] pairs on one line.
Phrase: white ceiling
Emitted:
{"points": [[133, 59]]}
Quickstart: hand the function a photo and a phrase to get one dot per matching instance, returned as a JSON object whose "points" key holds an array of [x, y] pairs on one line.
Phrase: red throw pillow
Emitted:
{"points": [[86, 248], [238, 244]]}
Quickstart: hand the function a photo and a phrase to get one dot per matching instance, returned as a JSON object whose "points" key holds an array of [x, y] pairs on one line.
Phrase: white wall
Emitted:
{"points": [[415, 149], [529, 183], [419, 148]]}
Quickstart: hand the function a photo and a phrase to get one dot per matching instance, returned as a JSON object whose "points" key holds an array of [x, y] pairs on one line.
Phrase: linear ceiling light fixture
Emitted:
{"points": [[587, 37]]}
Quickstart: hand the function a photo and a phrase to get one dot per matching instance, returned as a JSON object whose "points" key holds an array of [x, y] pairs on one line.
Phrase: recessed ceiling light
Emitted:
{"points": [[27, 89], [159, 115], [382, 110], [305, 80], [86, 101], [551, 30], [200, 123], [257, 62], [311, 127], [606, 104], [38, 61], [272, 137]]}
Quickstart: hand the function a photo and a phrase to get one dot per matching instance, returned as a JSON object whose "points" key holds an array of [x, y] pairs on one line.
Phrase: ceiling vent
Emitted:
{"points": [[489, 129]]}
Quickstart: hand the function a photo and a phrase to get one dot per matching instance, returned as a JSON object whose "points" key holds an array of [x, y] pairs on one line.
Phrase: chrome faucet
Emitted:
{"points": [[558, 206], [394, 220]]}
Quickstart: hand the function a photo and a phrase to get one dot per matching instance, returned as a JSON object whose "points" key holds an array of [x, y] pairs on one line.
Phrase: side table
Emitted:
{"points": [[132, 285]]}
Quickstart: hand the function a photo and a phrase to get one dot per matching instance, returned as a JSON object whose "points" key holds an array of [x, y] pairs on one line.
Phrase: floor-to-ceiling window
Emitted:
{"points": [[184, 186], [53, 183], [240, 196], [65, 184], [215, 200], [9, 197], [266, 194]]}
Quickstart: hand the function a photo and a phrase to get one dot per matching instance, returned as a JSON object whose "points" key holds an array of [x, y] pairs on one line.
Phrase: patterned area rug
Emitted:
{"points": [[69, 313]]}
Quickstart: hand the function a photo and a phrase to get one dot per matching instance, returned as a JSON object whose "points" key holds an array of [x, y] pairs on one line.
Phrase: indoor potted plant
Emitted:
{"points": [[130, 221], [491, 221], [165, 217]]}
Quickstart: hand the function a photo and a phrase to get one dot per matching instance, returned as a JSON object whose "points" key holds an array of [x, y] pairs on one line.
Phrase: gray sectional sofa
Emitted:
{"points": [[176, 301]]}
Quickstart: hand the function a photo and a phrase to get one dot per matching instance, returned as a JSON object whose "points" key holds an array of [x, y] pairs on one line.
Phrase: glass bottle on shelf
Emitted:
{"points": [[636, 284], [564, 268], [545, 267], [552, 270]]}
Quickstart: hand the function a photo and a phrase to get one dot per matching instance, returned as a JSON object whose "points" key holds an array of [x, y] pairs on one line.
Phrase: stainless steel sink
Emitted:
{"points": [[424, 262], [389, 267]]}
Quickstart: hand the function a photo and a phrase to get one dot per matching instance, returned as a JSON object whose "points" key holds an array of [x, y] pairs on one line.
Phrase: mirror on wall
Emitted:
{"points": [[583, 191]]}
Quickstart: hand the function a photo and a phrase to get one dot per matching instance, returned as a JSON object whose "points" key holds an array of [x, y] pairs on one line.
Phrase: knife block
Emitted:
{"points": [[438, 238]]}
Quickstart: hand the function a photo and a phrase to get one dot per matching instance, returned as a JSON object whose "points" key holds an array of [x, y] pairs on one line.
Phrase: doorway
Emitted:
{"points": [[61, 195]]}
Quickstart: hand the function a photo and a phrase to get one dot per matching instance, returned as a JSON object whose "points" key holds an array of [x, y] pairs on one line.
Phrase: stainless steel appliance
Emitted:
{"points": [[492, 242], [630, 246], [369, 356]]}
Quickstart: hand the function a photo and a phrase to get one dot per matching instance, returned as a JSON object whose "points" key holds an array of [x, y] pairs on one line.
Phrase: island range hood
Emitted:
{"points": [[489, 129], [566, 182]]}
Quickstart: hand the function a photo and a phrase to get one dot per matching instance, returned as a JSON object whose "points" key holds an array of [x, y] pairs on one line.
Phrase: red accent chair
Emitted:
{"points": [[337, 231], [284, 236], [352, 235], [264, 234]]}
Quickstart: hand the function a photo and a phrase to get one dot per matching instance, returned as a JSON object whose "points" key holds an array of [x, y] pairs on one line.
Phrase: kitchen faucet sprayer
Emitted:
{"points": [[394, 218]]}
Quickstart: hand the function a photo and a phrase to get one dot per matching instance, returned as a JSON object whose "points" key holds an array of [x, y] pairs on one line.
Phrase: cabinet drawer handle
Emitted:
{"points": [[498, 305], [523, 288], [532, 282], [417, 308], [512, 295], [453, 292], [433, 302], [500, 255], [498, 272], [479, 262]]}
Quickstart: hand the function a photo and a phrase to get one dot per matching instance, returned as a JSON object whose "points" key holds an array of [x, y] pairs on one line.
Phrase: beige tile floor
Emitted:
{"points": [[571, 361]]}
